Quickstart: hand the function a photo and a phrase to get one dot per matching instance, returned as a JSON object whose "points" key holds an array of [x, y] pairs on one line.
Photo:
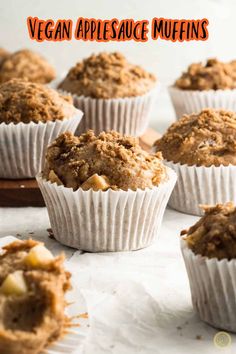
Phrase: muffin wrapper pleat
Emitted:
{"points": [[23, 146], [187, 102], [213, 288], [129, 116], [201, 185], [106, 220]]}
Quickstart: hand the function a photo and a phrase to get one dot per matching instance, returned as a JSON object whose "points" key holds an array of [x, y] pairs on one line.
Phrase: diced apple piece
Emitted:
{"points": [[96, 182], [14, 284], [54, 178], [38, 255]]}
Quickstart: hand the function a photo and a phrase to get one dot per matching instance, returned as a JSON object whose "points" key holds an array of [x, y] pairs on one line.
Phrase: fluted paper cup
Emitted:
{"points": [[213, 288], [129, 116], [106, 220], [192, 101], [198, 185], [23, 145]]}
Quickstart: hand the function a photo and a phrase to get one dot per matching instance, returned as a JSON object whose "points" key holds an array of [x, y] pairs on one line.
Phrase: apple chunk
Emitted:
{"points": [[38, 255], [14, 284]]}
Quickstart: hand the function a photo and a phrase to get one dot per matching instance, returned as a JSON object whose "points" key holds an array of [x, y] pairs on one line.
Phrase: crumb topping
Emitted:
{"points": [[107, 75], [204, 139], [108, 160], [214, 75], [214, 235], [23, 101], [26, 64]]}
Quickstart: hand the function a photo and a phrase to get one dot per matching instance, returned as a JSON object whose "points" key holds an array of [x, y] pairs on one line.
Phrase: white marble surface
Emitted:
{"points": [[138, 302]]}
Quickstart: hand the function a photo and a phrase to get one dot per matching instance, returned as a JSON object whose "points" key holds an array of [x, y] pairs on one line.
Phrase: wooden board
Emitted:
{"points": [[21, 193]]}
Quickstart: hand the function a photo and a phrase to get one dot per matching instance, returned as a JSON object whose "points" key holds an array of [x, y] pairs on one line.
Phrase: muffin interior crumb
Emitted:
{"points": [[214, 235], [107, 75], [204, 139], [108, 160], [214, 75]]}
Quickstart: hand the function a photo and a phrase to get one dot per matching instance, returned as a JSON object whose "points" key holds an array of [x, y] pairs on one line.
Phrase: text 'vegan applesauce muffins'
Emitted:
{"points": [[210, 85], [104, 193], [31, 116], [201, 148], [209, 251], [28, 65], [112, 93], [33, 284]]}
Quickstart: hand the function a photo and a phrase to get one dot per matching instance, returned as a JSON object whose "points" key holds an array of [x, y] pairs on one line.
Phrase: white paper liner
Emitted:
{"points": [[106, 221], [213, 288], [129, 116], [23, 145], [187, 101], [201, 185]]}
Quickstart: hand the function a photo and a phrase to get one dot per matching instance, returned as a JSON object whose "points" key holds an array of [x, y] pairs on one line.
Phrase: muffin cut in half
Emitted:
{"points": [[209, 85], [209, 251], [201, 149], [113, 94], [33, 284], [104, 193]]}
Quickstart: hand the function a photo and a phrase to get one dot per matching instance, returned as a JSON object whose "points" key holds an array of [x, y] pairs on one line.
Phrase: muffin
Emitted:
{"points": [[33, 284], [104, 193], [26, 64], [3, 54], [31, 117], [210, 85], [201, 149], [113, 93], [209, 251]]}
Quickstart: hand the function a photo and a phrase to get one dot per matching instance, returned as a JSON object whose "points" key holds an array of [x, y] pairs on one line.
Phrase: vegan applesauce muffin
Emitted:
{"points": [[209, 251], [104, 193], [113, 93], [33, 284], [31, 116], [116, 161], [26, 64], [201, 149], [3, 54], [210, 85]]}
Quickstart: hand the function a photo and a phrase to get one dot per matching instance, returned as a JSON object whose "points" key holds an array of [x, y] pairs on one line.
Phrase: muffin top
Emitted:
{"points": [[204, 139], [214, 75], [23, 101], [107, 75], [3, 54], [26, 64], [109, 160], [214, 235]]}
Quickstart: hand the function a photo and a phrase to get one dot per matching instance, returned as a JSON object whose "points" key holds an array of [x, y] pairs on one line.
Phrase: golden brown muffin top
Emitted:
{"points": [[214, 75], [107, 75], [26, 64], [23, 101], [214, 235], [204, 139], [108, 160], [3, 54]]}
